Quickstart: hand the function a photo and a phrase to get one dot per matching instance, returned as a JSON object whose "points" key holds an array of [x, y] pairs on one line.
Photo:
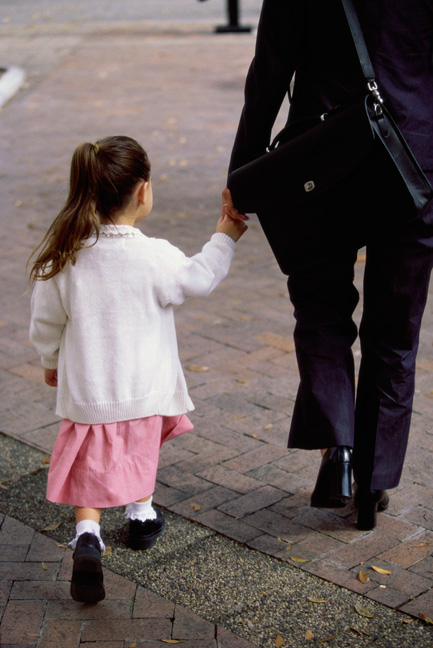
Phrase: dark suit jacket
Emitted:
{"points": [[311, 39]]}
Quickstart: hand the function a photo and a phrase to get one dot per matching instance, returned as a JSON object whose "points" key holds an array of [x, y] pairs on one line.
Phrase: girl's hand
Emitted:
{"points": [[50, 376], [231, 227], [228, 208]]}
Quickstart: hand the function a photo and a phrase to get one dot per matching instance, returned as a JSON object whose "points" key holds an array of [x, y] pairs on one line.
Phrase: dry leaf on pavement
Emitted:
{"points": [[51, 527], [363, 611], [360, 632], [197, 368], [380, 570], [363, 577]]}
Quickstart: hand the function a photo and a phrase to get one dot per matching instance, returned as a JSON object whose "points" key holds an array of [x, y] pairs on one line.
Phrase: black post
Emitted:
{"points": [[233, 25]]}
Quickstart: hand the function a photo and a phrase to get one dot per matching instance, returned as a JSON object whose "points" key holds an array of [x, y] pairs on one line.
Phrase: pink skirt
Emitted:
{"points": [[112, 464]]}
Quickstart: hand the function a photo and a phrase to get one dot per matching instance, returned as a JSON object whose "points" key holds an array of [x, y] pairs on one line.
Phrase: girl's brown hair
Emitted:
{"points": [[102, 180]]}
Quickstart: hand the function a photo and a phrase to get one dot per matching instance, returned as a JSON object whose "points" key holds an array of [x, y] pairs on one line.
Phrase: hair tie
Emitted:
{"points": [[96, 148]]}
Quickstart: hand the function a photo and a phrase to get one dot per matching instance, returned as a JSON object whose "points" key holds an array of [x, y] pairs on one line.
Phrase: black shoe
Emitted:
{"points": [[368, 503], [334, 482], [143, 535], [87, 583]]}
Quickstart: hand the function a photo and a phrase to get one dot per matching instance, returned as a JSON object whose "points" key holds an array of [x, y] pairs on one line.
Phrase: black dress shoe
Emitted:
{"points": [[368, 503], [143, 535], [334, 481], [87, 583]]}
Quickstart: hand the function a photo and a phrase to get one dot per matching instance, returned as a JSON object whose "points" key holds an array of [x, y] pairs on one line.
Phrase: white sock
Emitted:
{"points": [[87, 526], [141, 511]]}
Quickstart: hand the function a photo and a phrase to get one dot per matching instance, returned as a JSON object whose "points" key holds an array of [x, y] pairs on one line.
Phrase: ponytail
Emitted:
{"points": [[102, 180]]}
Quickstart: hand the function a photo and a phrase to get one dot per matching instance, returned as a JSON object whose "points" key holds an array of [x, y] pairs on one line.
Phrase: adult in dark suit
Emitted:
{"points": [[310, 41]]}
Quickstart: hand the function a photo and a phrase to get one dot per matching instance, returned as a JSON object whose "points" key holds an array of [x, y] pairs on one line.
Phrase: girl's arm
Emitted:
{"points": [[48, 320], [199, 275]]}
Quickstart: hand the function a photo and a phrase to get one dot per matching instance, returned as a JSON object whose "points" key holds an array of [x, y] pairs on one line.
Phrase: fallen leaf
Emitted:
{"points": [[268, 426], [241, 381], [326, 639], [46, 460], [288, 548], [107, 551], [309, 635], [363, 577], [44, 565], [195, 506], [422, 544], [255, 436], [296, 559], [171, 641], [197, 368], [316, 600], [426, 619], [360, 632], [363, 611], [4, 487], [51, 527], [379, 570], [408, 620], [279, 641], [239, 416], [133, 645], [62, 546]]}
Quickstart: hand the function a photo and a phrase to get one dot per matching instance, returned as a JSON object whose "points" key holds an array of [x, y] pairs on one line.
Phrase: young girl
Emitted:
{"points": [[102, 321]]}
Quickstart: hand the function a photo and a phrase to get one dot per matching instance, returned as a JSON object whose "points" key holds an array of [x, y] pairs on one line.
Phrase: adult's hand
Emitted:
{"points": [[228, 208]]}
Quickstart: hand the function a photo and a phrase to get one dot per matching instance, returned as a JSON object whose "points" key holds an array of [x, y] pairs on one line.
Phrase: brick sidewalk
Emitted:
{"points": [[180, 95], [36, 580]]}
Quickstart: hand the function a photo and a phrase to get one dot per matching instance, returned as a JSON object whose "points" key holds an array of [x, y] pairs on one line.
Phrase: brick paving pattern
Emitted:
{"points": [[36, 607], [180, 95]]}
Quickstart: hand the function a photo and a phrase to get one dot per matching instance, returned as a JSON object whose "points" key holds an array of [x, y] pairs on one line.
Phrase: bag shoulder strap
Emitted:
{"points": [[358, 39]]}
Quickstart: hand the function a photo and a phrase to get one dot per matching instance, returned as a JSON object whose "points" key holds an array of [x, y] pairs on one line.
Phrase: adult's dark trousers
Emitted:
{"points": [[375, 417]]}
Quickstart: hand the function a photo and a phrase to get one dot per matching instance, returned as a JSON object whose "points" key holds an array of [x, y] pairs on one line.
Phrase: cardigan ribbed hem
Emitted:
{"points": [[113, 412]]}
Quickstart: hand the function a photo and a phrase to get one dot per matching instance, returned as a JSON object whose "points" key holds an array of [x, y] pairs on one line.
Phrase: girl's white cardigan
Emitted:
{"points": [[107, 324]]}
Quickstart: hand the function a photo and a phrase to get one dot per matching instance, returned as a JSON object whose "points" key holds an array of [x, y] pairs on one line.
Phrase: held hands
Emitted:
{"points": [[228, 207], [231, 222], [231, 227], [50, 376]]}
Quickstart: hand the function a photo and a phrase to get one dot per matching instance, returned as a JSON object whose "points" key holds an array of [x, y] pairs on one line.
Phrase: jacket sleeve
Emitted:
{"points": [[196, 276], [268, 79], [48, 320]]}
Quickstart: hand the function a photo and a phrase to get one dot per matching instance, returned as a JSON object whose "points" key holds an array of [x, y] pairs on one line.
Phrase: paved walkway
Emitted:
{"points": [[177, 88]]}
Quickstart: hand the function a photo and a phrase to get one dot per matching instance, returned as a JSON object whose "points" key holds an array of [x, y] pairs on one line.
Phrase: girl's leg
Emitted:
{"points": [[145, 523], [87, 582], [87, 520], [86, 513], [141, 510]]}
